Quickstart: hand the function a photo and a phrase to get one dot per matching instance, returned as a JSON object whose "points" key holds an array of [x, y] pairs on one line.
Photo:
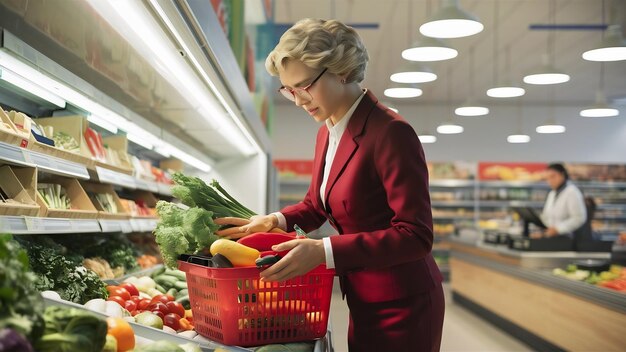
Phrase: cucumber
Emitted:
{"points": [[160, 288], [158, 272], [172, 292], [180, 275], [180, 285], [184, 300], [182, 293], [166, 281]]}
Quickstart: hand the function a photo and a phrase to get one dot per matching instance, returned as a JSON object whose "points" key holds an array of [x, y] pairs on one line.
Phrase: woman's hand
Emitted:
{"points": [[305, 255], [551, 231], [245, 227]]}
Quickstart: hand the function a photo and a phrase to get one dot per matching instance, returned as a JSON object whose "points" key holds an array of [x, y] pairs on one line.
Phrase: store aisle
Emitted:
{"points": [[463, 331]]}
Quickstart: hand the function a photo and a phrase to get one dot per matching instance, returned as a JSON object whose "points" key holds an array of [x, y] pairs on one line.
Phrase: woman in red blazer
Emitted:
{"points": [[370, 182]]}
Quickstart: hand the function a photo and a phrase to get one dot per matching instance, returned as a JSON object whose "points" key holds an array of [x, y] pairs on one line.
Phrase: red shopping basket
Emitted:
{"points": [[232, 306]]}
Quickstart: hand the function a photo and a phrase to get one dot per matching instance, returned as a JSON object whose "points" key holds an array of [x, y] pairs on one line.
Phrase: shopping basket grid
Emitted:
{"points": [[234, 307]]}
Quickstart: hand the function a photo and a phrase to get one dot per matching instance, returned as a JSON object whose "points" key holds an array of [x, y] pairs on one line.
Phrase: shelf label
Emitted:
{"points": [[110, 226], [125, 226], [12, 153], [30, 224], [164, 189]]}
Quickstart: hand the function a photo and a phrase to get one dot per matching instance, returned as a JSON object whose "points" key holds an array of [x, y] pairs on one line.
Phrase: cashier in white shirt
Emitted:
{"points": [[564, 211]]}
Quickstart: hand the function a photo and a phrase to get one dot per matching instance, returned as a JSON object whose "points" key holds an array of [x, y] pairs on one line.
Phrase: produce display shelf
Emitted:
{"points": [[22, 225], [149, 186], [453, 217], [510, 203], [143, 225], [112, 225], [532, 184], [19, 156], [115, 178], [152, 334], [164, 190], [104, 175], [601, 296], [149, 333], [295, 181], [452, 183], [454, 203]]}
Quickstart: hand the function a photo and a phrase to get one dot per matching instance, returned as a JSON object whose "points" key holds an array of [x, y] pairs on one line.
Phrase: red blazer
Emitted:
{"points": [[377, 199]]}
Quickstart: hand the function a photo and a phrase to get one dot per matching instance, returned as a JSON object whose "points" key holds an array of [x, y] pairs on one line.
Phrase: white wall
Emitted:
{"points": [[244, 179], [601, 140]]}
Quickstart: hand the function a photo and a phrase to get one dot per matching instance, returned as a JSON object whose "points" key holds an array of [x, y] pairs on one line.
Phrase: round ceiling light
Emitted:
{"points": [[429, 49], [518, 138], [550, 129], [403, 92], [449, 128], [612, 47], [451, 22], [427, 138]]}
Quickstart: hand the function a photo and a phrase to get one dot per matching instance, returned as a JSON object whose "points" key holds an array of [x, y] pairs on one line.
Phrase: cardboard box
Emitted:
{"points": [[21, 193], [172, 164], [106, 189], [9, 133], [149, 200], [74, 126], [82, 208], [119, 145]]}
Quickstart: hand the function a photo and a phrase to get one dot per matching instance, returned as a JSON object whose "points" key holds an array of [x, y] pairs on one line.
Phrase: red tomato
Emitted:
{"points": [[176, 308], [158, 306], [159, 313], [130, 306], [170, 298], [135, 312], [172, 320], [118, 291], [119, 300], [136, 299], [143, 304], [130, 288], [159, 298]]}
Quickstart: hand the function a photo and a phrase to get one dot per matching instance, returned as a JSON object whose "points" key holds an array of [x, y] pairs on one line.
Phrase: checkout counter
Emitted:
{"points": [[516, 291]]}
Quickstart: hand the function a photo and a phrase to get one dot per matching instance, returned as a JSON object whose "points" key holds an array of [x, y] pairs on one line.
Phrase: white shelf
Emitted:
{"points": [[143, 225], [453, 203], [25, 225], [127, 181], [509, 203], [22, 225], [165, 190], [23, 157], [110, 225], [452, 183]]}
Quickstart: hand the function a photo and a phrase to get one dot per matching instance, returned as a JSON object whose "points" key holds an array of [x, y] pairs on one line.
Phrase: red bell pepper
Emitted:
{"points": [[263, 241]]}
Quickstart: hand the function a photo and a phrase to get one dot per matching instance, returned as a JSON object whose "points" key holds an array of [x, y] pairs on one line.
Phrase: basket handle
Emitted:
{"points": [[194, 259]]}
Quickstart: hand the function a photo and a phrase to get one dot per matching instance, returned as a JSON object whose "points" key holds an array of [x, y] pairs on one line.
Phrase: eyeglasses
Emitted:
{"points": [[303, 92]]}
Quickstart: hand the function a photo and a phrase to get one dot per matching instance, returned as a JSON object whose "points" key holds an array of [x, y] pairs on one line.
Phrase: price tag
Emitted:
{"points": [[30, 224]]}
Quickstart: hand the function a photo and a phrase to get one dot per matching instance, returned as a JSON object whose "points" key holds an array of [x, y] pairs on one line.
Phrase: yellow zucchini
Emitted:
{"points": [[238, 254]]}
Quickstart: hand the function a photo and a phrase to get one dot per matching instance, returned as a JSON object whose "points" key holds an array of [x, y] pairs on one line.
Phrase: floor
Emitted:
{"points": [[462, 330]]}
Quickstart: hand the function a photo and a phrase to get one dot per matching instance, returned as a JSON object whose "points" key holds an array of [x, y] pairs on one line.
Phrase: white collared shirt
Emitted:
{"points": [[566, 211], [335, 132]]}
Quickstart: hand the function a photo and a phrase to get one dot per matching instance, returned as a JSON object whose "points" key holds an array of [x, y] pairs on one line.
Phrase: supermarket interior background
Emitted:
{"points": [[102, 101]]}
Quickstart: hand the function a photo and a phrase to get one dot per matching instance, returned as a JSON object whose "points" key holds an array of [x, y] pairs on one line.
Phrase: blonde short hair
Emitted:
{"points": [[321, 43]]}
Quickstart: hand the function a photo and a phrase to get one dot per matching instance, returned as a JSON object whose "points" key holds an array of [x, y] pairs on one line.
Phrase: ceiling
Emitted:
{"points": [[398, 22]]}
